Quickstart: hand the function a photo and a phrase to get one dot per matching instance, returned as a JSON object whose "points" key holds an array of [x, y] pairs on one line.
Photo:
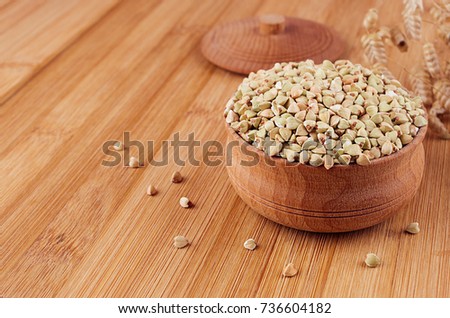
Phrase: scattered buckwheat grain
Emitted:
{"points": [[185, 203], [413, 228], [180, 241], [289, 270], [250, 244], [177, 177], [151, 190], [134, 162], [372, 260], [118, 146]]}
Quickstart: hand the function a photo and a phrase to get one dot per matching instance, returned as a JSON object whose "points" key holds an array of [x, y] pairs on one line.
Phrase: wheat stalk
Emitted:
{"points": [[413, 5], [441, 91], [421, 84], [444, 33], [384, 33], [429, 82], [413, 24], [436, 125], [374, 48], [431, 60], [439, 13], [382, 69], [446, 4], [412, 18], [370, 21]]}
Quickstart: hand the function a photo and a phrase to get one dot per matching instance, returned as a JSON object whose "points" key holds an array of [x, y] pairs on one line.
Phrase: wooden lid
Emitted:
{"points": [[258, 43]]}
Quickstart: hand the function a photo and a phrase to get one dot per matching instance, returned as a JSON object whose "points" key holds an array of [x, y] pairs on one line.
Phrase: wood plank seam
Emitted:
{"points": [[38, 67]]}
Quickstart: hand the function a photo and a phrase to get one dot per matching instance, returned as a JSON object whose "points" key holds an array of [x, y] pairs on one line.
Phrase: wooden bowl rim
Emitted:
{"points": [[373, 163]]}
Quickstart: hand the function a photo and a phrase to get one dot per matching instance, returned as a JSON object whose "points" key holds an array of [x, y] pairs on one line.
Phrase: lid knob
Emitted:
{"points": [[271, 24]]}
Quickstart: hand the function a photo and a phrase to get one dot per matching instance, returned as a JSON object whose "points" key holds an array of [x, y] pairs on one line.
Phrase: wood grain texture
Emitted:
{"points": [[32, 32], [71, 227], [251, 44]]}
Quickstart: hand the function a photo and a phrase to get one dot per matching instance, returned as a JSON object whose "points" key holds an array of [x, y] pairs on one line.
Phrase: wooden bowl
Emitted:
{"points": [[342, 199]]}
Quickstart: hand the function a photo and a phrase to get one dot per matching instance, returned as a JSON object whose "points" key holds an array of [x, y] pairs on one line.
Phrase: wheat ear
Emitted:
{"points": [[431, 60], [436, 125], [370, 21], [439, 13], [382, 69], [441, 92], [374, 48], [413, 25], [413, 5], [421, 84], [443, 32]]}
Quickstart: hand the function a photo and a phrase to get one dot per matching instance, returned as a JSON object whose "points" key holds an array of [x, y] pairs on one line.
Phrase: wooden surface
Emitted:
{"points": [[71, 227], [32, 32]]}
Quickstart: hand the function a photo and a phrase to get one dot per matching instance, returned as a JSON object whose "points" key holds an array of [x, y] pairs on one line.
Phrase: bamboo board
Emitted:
{"points": [[72, 228], [32, 32]]}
